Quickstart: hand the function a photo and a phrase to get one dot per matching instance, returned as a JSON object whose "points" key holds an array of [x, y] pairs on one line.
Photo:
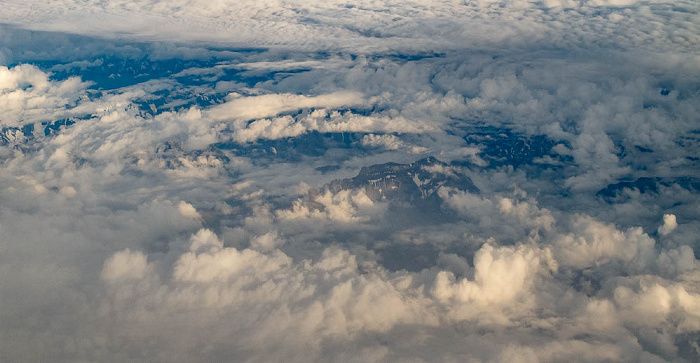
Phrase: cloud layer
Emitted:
{"points": [[167, 181]]}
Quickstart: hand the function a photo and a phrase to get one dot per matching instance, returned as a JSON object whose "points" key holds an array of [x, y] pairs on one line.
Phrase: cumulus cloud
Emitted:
{"points": [[329, 301], [322, 121], [28, 96], [164, 187], [669, 224], [596, 243], [345, 206], [292, 304], [253, 107]]}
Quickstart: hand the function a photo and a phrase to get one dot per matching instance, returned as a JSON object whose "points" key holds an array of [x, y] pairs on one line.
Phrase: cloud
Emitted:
{"points": [[329, 301], [162, 184], [291, 304], [390, 142], [27, 96], [367, 27], [253, 107], [344, 206], [125, 266], [596, 243], [502, 276], [669, 224]]}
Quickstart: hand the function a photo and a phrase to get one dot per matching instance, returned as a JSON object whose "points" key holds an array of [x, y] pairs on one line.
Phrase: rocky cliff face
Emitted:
{"points": [[404, 182]]}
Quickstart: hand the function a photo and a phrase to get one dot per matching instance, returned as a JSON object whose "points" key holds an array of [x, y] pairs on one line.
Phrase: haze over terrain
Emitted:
{"points": [[365, 181]]}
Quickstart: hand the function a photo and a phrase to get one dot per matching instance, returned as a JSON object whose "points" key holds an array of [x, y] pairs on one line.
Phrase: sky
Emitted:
{"points": [[366, 181]]}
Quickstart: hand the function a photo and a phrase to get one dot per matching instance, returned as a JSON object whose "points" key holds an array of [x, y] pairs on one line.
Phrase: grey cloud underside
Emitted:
{"points": [[376, 181]]}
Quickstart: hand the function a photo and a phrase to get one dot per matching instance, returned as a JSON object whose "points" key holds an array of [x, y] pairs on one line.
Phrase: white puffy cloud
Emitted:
{"points": [[187, 210], [669, 224], [596, 243], [293, 305], [349, 206], [162, 225], [125, 266], [323, 121], [254, 107], [330, 301], [390, 142], [27, 96], [502, 276]]}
